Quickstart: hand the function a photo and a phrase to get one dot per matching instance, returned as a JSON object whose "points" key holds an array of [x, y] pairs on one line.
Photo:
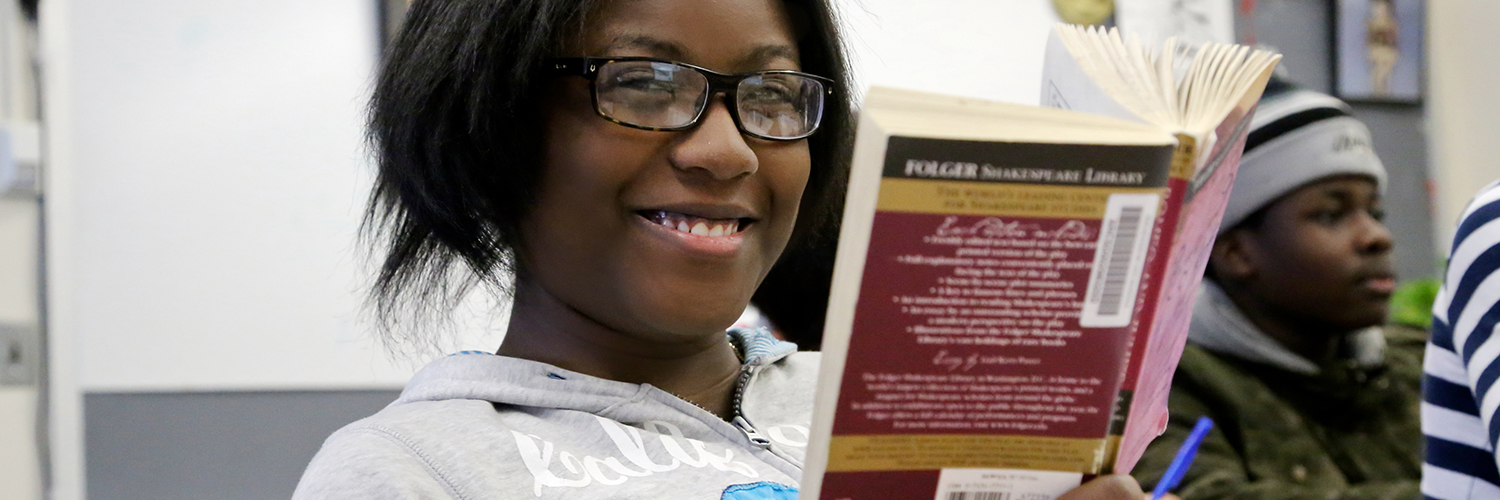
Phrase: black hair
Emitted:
{"points": [[455, 129], [794, 296]]}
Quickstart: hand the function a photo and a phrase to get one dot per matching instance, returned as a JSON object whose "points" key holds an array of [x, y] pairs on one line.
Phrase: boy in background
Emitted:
{"points": [[1310, 396]]}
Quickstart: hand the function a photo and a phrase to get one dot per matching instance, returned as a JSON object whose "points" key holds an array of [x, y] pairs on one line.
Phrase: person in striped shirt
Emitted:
{"points": [[1458, 389]]}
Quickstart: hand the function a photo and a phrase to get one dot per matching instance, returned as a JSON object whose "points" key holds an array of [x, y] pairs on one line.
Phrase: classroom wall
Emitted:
{"points": [[20, 471], [1300, 30], [19, 475], [1462, 107], [206, 178], [206, 184], [206, 205], [19, 468], [990, 50], [994, 50], [236, 445]]}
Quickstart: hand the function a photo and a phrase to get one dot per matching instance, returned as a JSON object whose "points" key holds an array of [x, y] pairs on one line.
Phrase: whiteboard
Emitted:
{"points": [[985, 49], [206, 183]]}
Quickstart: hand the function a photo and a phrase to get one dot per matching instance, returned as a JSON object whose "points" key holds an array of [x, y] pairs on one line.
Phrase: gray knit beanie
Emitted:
{"points": [[1298, 137]]}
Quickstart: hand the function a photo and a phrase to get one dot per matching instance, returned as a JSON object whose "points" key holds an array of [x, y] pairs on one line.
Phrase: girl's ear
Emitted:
{"points": [[1229, 258]]}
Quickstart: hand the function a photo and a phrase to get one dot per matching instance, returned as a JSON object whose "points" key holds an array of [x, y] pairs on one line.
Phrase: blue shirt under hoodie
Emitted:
{"points": [[482, 426]]}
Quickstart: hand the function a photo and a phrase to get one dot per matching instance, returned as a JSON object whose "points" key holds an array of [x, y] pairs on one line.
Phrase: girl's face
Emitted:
{"points": [[598, 238]]}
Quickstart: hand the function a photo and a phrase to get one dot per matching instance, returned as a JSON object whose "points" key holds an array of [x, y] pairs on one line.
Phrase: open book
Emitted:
{"points": [[1013, 283], [1206, 100]]}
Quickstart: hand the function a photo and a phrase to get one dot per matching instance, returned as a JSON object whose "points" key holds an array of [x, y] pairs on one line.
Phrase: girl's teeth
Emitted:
{"points": [[699, 227]]}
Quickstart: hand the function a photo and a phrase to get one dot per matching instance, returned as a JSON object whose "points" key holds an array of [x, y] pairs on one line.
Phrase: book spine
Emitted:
{"points": [[849, 263], [1184, 159], [1200, 212]]}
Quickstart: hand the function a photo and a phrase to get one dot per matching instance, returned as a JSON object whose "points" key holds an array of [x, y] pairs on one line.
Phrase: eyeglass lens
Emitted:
{"points": [[664, 95]]}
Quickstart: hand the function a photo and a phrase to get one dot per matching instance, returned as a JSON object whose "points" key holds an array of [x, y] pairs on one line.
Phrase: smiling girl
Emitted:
{"points": [[638, 166]]}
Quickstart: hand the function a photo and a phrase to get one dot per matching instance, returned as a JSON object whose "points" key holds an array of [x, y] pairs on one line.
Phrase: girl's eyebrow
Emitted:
{"points": [[767, 53], [655, 46], [756, 58]]}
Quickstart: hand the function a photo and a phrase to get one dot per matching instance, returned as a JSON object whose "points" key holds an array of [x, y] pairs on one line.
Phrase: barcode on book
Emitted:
{"points": [[1119, 260], [1004, 484], [978, 495]]}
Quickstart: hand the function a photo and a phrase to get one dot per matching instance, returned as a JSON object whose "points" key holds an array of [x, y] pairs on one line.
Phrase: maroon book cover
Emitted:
{"points": [[993, 317]]}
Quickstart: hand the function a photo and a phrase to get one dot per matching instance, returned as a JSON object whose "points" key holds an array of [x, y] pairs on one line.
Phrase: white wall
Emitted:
{"points": [[204, 211], [1462, 109], [19, 475], [991, 50], [19, 471], [206, 184]]}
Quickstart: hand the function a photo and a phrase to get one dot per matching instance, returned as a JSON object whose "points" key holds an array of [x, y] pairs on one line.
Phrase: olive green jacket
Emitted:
{"points": [[1350, 431]]}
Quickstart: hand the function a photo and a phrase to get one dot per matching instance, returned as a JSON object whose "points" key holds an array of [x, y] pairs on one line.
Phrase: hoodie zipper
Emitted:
{"points": [[755, 437]]}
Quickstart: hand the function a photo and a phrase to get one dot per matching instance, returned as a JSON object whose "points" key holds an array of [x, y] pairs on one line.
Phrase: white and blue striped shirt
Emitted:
{"points": [[1459, 391]]}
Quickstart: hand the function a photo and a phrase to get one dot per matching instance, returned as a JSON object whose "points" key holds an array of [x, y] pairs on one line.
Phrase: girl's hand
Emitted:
{"points": [[1117, 487]]}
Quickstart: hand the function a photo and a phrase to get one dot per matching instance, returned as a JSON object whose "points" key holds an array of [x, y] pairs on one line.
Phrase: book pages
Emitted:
{"points": [[1215, 98], [1066, 85]]}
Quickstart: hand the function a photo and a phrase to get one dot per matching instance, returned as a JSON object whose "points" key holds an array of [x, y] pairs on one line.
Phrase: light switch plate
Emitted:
{"points": [[19, 353]]}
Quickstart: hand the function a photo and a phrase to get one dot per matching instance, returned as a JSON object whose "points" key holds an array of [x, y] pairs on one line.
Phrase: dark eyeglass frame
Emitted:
{"points": [[725, 83]]}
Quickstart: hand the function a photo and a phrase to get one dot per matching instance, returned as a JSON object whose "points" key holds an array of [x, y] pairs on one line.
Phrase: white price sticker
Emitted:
{"points": [[1119, 260], [1004, 484]]}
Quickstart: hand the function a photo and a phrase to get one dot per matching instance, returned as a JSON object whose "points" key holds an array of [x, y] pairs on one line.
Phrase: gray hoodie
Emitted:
{"points": [[1219, 326], [482, 426]]}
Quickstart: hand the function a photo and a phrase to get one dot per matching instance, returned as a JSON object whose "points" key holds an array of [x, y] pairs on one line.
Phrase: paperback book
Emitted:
{"points": [[1012, 283]]}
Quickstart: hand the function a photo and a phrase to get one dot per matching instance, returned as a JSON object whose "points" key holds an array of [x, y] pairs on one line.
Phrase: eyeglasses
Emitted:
{"points": [[655, 94]]}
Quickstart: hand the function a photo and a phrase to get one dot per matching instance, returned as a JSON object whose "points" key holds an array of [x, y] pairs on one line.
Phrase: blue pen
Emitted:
{"points": [[1184, 458]]}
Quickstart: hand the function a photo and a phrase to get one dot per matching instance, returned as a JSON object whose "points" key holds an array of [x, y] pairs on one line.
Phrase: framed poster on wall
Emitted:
{"points": [[1378, 50]]}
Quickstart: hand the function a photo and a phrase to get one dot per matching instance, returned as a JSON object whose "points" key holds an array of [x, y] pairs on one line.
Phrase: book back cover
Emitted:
{"points": [[992, 317]]}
